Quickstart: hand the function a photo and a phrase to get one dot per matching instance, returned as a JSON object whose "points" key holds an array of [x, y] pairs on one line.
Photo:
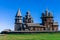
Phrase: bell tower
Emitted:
{"points": [[18, 21]]}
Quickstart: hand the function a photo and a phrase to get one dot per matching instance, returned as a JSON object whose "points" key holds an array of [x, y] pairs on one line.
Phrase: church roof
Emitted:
{"points": [[28, 13], [34, 25], [18, 13], [50, 13], [46, 12], [55, 23]]}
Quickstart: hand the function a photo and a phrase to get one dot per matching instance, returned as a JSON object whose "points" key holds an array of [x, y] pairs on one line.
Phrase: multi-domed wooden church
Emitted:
{"points": [[27, 23]]}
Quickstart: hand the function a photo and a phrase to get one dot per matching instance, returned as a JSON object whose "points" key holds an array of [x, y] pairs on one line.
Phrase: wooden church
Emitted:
{"points": [[26, 23]]}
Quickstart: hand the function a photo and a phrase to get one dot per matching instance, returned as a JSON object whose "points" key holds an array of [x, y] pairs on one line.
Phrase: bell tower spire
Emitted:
{"points": [[18, 13]]}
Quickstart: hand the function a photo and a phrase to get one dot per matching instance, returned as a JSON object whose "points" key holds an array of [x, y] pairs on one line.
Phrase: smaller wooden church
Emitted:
{"points": [[27, 24]]}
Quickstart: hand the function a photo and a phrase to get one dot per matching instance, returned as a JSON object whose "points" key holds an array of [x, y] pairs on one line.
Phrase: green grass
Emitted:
{"points": [[37, 36]]}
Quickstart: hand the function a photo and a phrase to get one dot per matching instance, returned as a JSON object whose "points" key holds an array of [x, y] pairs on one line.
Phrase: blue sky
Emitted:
{"points": [[8, 10]]}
